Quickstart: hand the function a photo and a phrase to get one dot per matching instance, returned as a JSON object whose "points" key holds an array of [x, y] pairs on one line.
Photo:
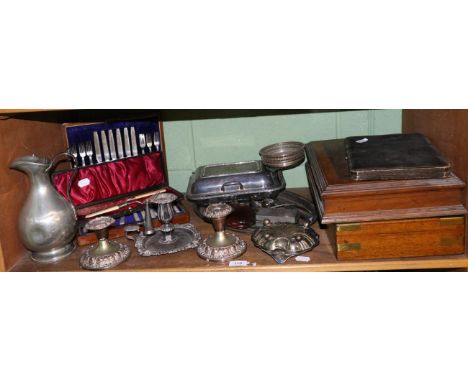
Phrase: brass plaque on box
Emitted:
{"points": [[349, 247], [452, 220], [348, 227]]}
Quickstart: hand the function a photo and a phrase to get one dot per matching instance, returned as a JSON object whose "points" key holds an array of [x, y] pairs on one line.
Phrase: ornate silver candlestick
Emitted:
{"points": [[168, 238], [165, 214], [105, 254], [222, 246]]}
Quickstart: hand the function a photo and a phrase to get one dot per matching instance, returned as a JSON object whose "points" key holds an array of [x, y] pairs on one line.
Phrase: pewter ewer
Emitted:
{"points": [[47, 221]]}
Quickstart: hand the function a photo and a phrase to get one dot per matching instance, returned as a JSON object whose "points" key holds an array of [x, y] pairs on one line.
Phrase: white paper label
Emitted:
{"points": [[240, 263], [363, 140], [84, 182], [304, 259]]}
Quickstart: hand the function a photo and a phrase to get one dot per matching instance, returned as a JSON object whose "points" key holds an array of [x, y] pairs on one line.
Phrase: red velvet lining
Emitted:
{"points": [[111, 179]]}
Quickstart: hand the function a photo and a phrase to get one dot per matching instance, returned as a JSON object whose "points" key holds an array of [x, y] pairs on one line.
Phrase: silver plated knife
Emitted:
{"points": [[97, 147], [134, 142], [128, 150], [120, 151], [113, 151], [105, 148]]}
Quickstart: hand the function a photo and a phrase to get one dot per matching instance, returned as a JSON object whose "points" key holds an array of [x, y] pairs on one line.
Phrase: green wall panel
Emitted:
{"points": [[194, 143]]}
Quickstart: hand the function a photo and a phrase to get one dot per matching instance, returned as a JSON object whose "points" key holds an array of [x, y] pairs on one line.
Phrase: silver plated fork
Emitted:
{"points": [[82, 151], [149, 141], [156, 140], [89, 151], [72, 151], [142, 140]]}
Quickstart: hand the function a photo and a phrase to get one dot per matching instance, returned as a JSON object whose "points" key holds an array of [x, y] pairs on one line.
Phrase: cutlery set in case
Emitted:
{"points": [[116, 163], [94, 144]]}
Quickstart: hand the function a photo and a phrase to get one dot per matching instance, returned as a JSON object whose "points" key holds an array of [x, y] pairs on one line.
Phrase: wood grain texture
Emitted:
{"points": [[18, 138], [400, 238], [322, 258], [448, 131], [341, 199]]}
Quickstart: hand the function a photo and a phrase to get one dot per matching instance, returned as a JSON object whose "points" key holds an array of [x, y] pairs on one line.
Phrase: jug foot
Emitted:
{"points": [[53, 255]]}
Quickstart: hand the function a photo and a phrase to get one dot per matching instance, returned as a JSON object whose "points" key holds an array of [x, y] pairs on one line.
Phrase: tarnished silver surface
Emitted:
{"points": [[235, 247], [283, 155], [99, 223], [217, 210], [184, 236], [47, 222], [106, 253], [163, 198], [96, 259], [283, 241], [221, 246], [229, 182], [165, 213]]}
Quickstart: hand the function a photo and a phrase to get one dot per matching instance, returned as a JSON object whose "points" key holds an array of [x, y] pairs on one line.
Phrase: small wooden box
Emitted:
{"points": [[398, 238]]}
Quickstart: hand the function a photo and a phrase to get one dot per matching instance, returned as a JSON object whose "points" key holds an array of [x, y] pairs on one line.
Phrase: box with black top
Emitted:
{"points": [[118, 164], [385, 218]]}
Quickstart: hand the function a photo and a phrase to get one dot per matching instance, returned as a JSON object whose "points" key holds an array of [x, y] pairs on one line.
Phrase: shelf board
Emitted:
{"points": [[322, 259]]}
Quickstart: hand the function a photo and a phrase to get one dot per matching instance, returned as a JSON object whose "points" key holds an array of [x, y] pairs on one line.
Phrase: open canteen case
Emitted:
{"points": [[96, 186]]}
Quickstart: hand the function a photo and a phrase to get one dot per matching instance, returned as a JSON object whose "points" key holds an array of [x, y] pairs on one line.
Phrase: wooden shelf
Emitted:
{"points": [[322, 259]]}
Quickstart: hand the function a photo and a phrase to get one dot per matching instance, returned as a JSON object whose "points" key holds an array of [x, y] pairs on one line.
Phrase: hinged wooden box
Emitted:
{"points": [[384, 219], [116, 169], [341, 199], [398, 238]]}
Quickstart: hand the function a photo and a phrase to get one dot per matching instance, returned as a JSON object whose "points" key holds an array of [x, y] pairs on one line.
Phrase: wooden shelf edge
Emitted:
{"points": [[344, 266]]}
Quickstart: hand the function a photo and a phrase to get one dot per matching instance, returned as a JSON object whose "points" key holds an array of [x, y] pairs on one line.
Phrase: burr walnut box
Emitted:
{"points": [[384, 218]]}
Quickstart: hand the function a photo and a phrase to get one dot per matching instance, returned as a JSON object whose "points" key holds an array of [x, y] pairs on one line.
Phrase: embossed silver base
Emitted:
{"points": [[182, 237], [95, 259], [211, 249], [54, 255]]}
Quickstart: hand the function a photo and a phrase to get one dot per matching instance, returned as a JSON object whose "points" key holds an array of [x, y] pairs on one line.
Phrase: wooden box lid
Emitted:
{"points": [[341, 199]]}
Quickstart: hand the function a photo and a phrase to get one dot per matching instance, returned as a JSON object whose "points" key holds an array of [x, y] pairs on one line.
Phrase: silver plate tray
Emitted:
{"points": [[184, 236]]}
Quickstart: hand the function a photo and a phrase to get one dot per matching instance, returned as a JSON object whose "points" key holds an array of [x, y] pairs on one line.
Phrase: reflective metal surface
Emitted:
{"points": [[229, 182], [168, 238], [47, 222], [283, 155], [105, 254], [222, 246], [184, 236], [283, 241]]}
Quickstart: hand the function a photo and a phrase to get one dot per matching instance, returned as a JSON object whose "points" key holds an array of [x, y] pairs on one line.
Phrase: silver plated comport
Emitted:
{"points": [[169, 238], [106, 253], [222, 246]]}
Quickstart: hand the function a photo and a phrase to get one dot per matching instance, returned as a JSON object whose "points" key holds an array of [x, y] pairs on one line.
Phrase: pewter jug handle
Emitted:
{"points": [[53, 162]]}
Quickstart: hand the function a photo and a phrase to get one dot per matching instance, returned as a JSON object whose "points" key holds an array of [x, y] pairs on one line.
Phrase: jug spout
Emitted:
{"points": [[30, 164]]}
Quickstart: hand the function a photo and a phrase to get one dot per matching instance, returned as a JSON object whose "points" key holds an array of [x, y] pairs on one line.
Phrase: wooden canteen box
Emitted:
{"points": [[398, 238]]}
